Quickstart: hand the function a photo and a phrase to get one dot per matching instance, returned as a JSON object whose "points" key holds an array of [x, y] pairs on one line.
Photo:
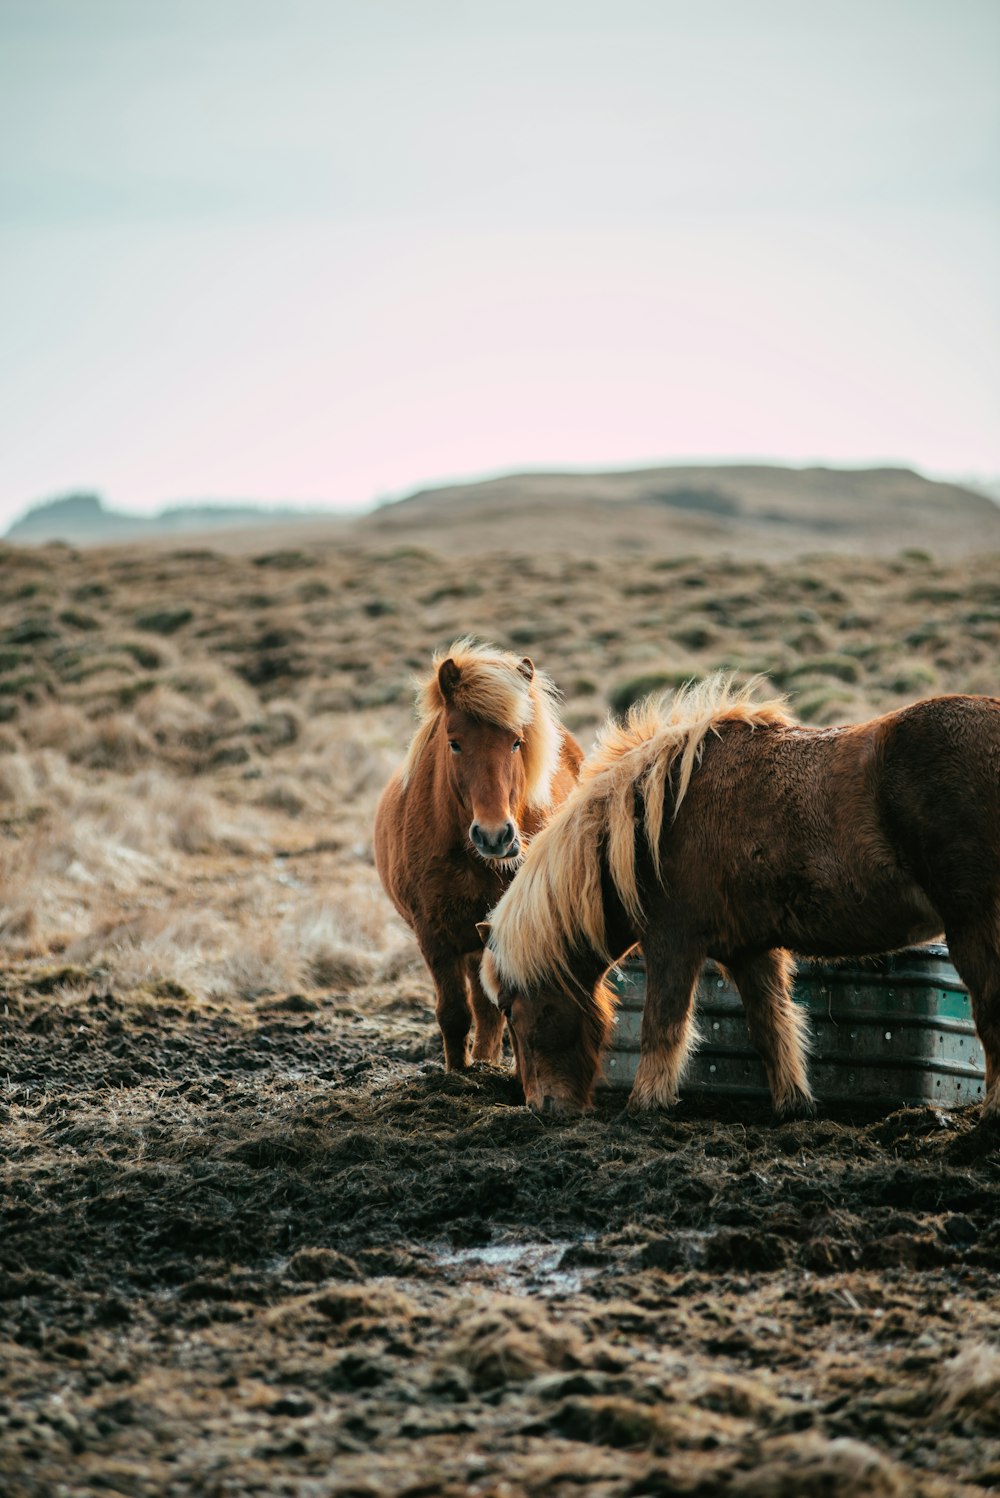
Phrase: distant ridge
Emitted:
{"points": [[83, 520], [752, 509], [754, 490]]}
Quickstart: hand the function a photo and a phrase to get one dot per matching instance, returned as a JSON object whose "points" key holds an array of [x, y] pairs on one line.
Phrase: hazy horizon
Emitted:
{"points": [[325, 256], [982, 483]]}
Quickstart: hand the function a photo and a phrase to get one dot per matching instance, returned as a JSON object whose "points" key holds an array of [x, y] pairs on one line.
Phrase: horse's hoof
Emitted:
{"points": [[648, 1107], [796, 1108], [991, 1106], [655, 1087]]}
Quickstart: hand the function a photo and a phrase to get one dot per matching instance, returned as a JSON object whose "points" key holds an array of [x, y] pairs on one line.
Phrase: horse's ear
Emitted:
{"points": [[449, 676], [526, 666], [484, 928]]}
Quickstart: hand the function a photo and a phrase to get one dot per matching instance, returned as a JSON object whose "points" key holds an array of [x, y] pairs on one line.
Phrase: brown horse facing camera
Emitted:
{"points": [[485, 769], [713, 826]]}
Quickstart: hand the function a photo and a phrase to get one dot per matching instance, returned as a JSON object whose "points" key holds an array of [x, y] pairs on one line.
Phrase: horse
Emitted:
{"points": [[711, 825], [488, 763]]}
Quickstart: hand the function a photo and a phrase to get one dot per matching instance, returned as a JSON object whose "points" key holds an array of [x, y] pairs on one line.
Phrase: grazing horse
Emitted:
{"points": [[713, 826], [487, 765]]}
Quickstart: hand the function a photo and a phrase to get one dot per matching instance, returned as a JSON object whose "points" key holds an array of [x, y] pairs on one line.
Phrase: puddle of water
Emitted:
{"points": [[522, 1267]]}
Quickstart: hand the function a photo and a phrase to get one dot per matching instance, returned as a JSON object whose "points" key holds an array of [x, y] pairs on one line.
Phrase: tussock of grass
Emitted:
{"points": [[262, 963], [910, 679], [346, 944], [164, 621], [970, 1385], [116, 742], [18, 781], [54, 725], [43, 777], [282, 794], [18, 924], [511, 1343], [823, 704], [840, 667], [649, 684], [174, 718], [810, 1463]]}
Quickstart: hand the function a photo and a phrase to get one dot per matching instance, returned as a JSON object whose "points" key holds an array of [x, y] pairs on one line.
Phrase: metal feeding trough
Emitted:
{"points": [[896, 1028]]}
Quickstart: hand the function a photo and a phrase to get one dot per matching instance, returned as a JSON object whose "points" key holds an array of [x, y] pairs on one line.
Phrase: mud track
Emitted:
{"points": [[272, 1248]]}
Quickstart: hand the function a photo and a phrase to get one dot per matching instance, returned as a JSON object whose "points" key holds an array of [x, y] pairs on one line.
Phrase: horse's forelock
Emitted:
{"points": [[494, 686], [556, 903]]}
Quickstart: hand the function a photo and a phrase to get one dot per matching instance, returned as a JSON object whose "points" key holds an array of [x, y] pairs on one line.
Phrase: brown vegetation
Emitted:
{"points": [[254, 1239]]}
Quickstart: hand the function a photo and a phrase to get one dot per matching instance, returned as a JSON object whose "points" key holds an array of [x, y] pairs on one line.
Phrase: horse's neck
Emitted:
{"points": [[588, 966], [587, 973]]}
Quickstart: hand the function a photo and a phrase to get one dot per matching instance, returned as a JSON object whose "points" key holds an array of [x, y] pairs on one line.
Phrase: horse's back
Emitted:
{"points": [[944, 753]]}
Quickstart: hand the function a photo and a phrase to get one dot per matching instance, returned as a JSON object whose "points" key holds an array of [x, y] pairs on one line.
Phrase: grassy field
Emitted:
{"points": [[253, 1239]]}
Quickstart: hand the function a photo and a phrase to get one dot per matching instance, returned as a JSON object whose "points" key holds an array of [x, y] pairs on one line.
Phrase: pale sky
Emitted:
{"points": [[314, 251]]}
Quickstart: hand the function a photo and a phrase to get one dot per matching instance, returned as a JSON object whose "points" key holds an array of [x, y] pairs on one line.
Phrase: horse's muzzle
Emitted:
{"points": [[495, 842], [553, 1107]]}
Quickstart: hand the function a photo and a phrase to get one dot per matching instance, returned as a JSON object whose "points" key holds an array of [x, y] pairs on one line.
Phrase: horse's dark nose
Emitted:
{"points": [[554, 1107], [495, 842]]}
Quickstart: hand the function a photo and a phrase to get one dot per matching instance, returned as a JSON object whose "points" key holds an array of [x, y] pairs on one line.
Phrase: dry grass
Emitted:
{"points": [[970, 1385], [188, 788]]}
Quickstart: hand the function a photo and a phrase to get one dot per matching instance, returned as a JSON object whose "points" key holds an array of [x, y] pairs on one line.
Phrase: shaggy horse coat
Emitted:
{"points": [[714, 826], [485, 769]]}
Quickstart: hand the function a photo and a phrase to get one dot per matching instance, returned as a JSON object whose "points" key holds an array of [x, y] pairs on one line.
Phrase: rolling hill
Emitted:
{"points": [[749, 509]]}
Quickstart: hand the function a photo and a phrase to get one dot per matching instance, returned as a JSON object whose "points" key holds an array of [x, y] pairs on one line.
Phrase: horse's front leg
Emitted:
{"points": [[487, 1044], [668, 1029], [454, 1014], [778, 1028]]}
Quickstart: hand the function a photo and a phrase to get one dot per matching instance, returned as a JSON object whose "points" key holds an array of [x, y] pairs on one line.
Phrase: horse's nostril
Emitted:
{"points": [[495, 844]]}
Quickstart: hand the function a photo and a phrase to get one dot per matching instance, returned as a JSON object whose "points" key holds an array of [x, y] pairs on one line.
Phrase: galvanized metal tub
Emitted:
{"points": [[895, 1028]]}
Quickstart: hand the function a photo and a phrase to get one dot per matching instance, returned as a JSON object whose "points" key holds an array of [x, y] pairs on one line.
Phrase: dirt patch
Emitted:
{"points": [[254, 1249]]}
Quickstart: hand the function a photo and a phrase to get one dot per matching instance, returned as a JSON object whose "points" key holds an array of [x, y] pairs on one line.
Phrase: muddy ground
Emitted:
{"points": [[253, 1240], [272, 1248]]}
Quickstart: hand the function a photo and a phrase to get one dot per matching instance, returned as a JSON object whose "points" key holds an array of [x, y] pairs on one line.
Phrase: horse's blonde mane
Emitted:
{"points": [[556, 903], [493, 686]]}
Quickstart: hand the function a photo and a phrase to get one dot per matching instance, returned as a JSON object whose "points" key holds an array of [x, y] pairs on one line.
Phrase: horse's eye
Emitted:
{"points": [[454, 746], [516, 745]]}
